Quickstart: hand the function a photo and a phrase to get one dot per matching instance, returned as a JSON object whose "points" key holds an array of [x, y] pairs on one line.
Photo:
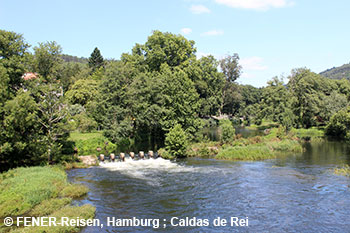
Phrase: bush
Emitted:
{"points": [[227, 131], [176, 142], [339, 125]]}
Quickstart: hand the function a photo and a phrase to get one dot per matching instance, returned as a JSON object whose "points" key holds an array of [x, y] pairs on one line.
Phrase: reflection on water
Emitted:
{"points": [[295, 193]]}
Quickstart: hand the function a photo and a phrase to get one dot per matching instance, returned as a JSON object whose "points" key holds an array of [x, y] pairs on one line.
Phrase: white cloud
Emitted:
{"points": [[252, 63], [186, 31], [199, 9], [256, 4], [213, 33]]}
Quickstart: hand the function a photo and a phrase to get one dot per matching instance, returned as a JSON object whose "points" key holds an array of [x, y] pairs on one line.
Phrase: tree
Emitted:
{"points": [[96, 60], [82, 92], [13, 56], [176, 142], [20, 139], [231, 69], [160, 48], [53, 117], [47, 60], [339, 125]]}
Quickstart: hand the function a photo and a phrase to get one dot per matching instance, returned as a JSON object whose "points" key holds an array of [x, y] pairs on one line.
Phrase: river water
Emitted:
{"points": [[294, 193]]}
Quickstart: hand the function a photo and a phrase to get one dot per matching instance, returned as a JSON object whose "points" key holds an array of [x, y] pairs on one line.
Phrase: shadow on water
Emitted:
{"points": [[295, 193]]}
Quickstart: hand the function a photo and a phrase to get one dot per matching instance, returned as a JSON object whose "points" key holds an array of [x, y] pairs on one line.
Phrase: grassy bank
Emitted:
{"points": [[87, 143], [40, 191]]}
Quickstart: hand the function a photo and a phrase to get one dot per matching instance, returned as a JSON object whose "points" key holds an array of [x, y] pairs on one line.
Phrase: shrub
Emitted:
{"points": [[176, 141], [339, 125], [227, 131]]}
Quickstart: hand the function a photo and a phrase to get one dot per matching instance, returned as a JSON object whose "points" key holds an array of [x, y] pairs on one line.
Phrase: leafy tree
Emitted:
{"points": [[160, 48], [231, 69], [208, 82], [82, 91], [96, 60], [176, 142], [20, 140], [339, 125], [47, 60], [53, 117], [13, 56]]}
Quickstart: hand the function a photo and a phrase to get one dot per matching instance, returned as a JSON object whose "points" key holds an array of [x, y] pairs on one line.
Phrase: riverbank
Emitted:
{"points": [[41, 191], [254, 148]]}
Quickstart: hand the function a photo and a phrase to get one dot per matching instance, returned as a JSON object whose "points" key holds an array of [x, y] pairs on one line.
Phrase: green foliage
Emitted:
{"points": [[162, 48], [47, 59], [227, 131], [20, 133], [311, 133], [82, 91], [176, 142], [13, 56], [96, 60], [87, 143], [339, 125], [203, 149]]}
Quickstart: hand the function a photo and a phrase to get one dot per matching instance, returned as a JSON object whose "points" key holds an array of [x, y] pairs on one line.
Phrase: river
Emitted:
{"points": [[295, 193]]}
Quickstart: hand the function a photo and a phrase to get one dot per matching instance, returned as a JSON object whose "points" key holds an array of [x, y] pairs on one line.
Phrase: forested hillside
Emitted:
{"points": [[337, 72]]}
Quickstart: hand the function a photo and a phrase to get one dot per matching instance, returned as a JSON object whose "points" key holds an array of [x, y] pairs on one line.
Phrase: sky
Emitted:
{"points": [[271, 36]]}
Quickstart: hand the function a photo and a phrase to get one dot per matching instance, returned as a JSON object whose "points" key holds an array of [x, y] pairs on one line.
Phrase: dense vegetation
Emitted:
{"points": [[159, 94]]}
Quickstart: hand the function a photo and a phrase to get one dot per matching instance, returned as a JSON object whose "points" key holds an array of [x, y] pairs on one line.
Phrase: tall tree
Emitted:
{"points": [[96, 60], [13, 54], [47, 60], [232, 70]]}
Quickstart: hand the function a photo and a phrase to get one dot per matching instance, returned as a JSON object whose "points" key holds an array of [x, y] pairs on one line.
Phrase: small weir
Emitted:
{"points": [[122, 156]]}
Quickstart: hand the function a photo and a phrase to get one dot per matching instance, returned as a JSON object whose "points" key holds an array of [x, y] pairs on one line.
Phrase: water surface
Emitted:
{"points": [[295, 193]]}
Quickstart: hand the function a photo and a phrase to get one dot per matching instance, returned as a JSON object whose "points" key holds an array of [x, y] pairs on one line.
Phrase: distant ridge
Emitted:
{"points": [[70, 58], [337, 72]]}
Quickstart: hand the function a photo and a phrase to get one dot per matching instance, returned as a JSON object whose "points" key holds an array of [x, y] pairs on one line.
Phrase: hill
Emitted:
{"points": [[337, 72], [69, 58]]}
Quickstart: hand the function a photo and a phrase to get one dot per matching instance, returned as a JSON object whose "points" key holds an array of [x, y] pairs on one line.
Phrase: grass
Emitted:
{"points": [[23, 188], [49, 206], [72, 212], [250, 152], [74, 190], [87, 143], [40, 191], [75, 136], [309, 134], [343, 171]]}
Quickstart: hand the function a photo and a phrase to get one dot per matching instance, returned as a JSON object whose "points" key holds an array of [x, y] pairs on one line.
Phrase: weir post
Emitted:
{"points": [[122, 157], [112, 156], [132, 155], [142, 154], [150, 154], [102, 157]]}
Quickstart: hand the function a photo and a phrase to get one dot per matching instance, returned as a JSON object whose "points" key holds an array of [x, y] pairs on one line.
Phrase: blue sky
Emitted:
{"points": [[271, 36]]}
